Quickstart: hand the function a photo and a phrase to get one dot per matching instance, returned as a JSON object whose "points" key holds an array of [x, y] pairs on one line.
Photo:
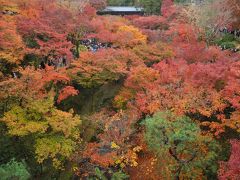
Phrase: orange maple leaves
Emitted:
{"points": [[66, 92]]}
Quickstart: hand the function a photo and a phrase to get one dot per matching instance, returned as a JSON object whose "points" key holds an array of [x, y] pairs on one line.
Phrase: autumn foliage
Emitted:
{"points": [[66, 92], [98, 97], [231, 168], [12, 47]]}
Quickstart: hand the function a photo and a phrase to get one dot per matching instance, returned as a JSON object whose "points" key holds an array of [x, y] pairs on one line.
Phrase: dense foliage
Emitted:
{"points": [[14, 170], [86, 96], [190, 154]]}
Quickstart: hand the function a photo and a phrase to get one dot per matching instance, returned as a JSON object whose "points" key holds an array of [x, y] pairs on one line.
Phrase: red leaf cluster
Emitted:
{"points": [[231, 169], [66, 92]]}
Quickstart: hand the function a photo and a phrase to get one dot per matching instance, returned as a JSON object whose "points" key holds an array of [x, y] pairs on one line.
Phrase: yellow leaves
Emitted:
{"points": [[125, 160], [75, 169], [41, 106], [118, 161], [56, 148], [114, 146], [59, 129], [20, 125], [130, 36], [130, 158], [22, 129], [8, 5], [64, 122], [122, 165], [136, 32], [11, 43], [137, 149]]}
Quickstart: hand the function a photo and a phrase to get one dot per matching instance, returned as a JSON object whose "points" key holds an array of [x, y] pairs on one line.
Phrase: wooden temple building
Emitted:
{"points": [[121, 10]]}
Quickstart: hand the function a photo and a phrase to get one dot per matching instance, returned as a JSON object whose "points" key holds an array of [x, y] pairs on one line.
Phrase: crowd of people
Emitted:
{"points": [[224, 47], [61, 61], [53, 60], [9, 12], [235, 32], [93, 45]]}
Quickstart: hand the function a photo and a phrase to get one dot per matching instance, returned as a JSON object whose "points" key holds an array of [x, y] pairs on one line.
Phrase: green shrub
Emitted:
{"points": [[14, 170]]}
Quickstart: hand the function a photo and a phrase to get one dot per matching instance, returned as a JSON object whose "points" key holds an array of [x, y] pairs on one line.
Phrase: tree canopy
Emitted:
{"points": [[89, 96]]}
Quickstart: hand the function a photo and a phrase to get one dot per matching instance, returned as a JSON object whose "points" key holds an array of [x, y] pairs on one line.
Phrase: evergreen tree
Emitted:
{"points": [[179, 143], [151, 6], [120, 2]]}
